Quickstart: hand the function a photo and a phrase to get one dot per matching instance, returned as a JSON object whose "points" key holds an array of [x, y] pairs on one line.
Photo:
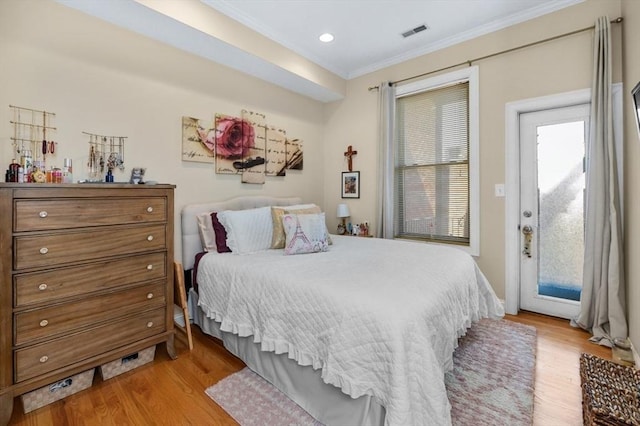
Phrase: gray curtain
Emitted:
{"points": [[386, 119], [602, 305]]}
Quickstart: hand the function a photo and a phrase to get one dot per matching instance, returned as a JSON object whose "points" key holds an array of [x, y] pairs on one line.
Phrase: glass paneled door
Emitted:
{"points": [[552, 182]]}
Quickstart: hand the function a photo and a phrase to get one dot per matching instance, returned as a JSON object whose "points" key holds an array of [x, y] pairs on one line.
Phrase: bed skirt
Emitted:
{"points": [[324, 402]]}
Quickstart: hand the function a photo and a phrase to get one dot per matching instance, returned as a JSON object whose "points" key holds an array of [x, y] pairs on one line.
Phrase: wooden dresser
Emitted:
{"points": [[86, 277]]}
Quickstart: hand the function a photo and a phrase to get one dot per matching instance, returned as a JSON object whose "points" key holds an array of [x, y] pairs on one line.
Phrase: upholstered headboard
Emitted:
{"points": [[191, 244]]}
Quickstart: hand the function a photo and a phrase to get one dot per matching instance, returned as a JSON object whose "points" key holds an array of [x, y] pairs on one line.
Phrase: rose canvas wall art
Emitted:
{"points": [[234, 139], [276, 151], [294, 154], [198, 139], [253, 160], [248, 146]]}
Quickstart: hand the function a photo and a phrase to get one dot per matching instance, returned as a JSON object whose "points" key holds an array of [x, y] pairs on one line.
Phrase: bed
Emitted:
{"points": [[359, 334]]}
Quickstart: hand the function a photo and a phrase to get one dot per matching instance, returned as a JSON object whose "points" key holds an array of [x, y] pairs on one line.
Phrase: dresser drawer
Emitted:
{"points": [[67, 317], [57, 284], [34, 251], [39, 215], [41, 359]]}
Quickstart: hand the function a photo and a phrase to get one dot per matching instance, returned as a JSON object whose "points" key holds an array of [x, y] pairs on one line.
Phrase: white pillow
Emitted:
{"points": [[305, 233], [248, 231]]}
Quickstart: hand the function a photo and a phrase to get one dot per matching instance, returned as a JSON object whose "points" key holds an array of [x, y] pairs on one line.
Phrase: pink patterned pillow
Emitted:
{"points": [[277, 241], [305, 233]]}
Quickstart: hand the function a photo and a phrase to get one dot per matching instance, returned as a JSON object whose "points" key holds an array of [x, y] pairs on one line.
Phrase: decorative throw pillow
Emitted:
{"points": [[207, 233], [248, 231], [277, 241], [305, 233], [220, 234]]}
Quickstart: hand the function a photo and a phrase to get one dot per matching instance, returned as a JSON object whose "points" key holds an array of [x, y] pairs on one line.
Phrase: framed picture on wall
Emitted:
{"points": [[350, 184]]}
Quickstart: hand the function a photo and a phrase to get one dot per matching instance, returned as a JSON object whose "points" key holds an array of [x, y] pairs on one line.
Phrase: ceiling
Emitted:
{"points": [[367, 32]]}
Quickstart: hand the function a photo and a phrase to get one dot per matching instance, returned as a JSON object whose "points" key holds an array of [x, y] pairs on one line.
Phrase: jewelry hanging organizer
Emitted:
{"points": [[106, 153], [33, 135]]}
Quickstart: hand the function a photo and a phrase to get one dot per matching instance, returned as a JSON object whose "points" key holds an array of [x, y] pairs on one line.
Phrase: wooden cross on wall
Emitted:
{"points": [[349, 154]]}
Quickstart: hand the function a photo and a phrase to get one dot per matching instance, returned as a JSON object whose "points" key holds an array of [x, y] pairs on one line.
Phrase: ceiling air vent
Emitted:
{"points": [[415, 30]]}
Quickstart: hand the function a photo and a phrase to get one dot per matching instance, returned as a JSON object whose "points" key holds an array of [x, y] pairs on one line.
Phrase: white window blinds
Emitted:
{"points": [[432, 164]]}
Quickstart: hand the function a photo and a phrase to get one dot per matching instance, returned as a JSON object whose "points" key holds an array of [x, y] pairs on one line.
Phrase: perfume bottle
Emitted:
{"points": [[27, 164], [67, 171], [56, 175], [13, 171]]}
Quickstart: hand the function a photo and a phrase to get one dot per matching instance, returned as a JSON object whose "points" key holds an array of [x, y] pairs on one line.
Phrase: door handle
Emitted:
{"points": [[527, 231]]}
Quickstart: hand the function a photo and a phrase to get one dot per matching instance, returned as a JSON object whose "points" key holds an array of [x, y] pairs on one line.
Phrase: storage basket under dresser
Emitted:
{"points": [[86, 277]]}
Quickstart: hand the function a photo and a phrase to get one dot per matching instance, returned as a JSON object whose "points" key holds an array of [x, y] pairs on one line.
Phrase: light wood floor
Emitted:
{"points": [[172, 392]]}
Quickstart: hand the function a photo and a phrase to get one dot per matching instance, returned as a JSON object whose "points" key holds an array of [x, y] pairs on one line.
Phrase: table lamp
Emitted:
{"points": [[343, 212]]}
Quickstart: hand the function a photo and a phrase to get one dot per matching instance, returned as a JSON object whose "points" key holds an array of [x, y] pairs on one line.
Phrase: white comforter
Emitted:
{"points": [[379, 317]]}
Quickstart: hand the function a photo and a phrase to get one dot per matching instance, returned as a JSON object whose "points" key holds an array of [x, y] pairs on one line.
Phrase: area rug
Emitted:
{"points": [[491, 383], [493, 374]]}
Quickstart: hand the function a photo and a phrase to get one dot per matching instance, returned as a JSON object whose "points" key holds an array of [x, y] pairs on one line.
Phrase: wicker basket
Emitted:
{"points": [[610, 392], [127, 363], [56, 391]]}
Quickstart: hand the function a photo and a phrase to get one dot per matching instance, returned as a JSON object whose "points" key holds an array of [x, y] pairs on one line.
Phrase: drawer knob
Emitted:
{"points": [[44, 323], [150, 238], [150, 324], [44, 250], [150, 296], [42, 287], [150, 209], [44, 358], [43, 214], [149, 267]]}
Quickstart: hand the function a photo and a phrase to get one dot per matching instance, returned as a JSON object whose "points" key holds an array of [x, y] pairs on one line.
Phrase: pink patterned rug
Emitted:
{"points": [[493, 375], [491, 383]]}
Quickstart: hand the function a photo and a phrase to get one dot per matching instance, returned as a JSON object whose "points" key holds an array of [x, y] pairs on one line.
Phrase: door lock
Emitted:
{"points": [[527, 230]]}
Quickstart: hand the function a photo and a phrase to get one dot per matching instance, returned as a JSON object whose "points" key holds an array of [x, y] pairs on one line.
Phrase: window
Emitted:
{"points": [[436, 173]]}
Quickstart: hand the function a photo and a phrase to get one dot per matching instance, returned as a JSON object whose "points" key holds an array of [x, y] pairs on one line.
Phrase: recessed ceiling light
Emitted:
{"points": [[326, 38]]}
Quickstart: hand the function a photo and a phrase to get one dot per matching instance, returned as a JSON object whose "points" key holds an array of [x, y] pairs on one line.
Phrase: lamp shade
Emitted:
{"points": [[343, 210]]}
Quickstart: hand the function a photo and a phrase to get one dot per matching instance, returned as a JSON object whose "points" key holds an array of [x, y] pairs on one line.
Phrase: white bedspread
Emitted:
{"points": [[379, 317]]}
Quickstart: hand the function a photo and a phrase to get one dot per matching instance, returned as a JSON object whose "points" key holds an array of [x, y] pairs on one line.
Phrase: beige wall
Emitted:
{"points": [[631, 69], [106, 80], [550, 68]]}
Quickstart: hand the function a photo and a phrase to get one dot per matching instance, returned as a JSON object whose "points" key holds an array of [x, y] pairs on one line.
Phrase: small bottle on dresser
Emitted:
{"points": [[67, 171], [27, 165], [12, 174], [56, 175]]}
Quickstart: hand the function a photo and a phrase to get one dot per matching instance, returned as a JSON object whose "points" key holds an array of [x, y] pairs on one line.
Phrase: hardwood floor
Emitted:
{"points": [[558, 397], [169, 392]]}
